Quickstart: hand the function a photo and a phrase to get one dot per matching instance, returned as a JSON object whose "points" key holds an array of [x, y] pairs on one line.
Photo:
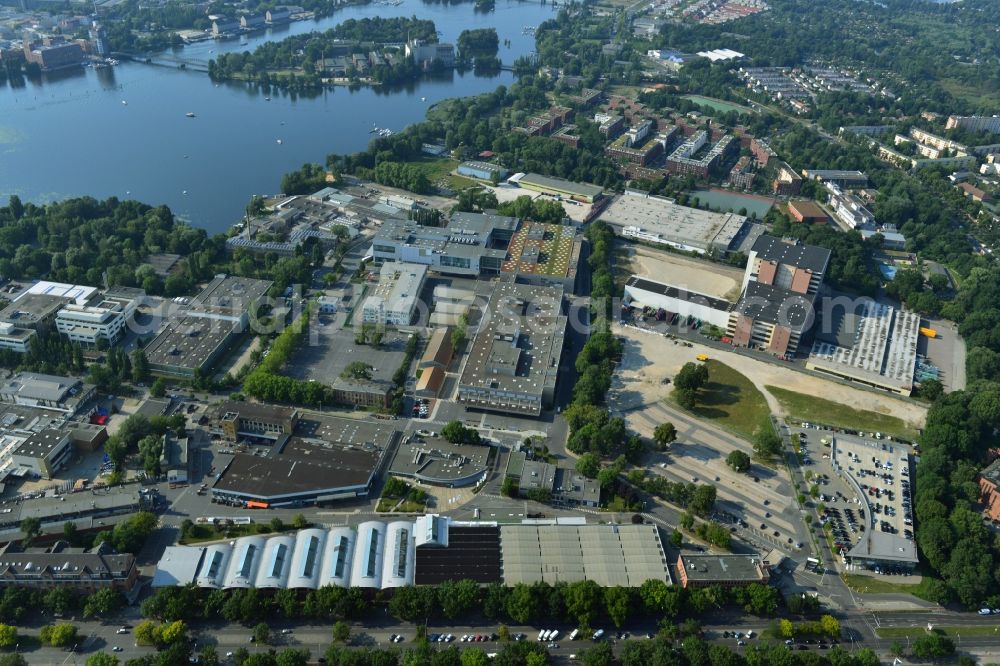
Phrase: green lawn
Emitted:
{"points": [[717, 104], [871, 585], [458, 183], [732, 401], [810, 408], [435, 168], [388, 505], [201, 532]]}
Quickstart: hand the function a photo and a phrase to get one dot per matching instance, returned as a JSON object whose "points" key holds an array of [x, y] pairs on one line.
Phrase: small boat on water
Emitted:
{"points": [[189, 114], [267, 99], [124, 103], [279, 142], [423, 99]]}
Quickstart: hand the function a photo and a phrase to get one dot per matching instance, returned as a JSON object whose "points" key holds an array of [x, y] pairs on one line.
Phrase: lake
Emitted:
{"points": [[70, 133]]}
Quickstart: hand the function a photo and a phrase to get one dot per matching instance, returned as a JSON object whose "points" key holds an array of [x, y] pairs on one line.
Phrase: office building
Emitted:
{"points": [[780, 286], [15, 339], [43, 453], [105, 319], [776, 308], [255, 420], [33, 311], [189, 345], [661, 221], [786, 264], [425, 55], [228, 298], [471, 244], [721, 570], [436, 461], [393, 301], [51, 54], [563, 486], [513, 365], [544, 254]]}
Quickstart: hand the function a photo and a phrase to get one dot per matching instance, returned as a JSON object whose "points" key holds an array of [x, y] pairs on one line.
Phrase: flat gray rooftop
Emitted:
{"points": [[435, 460], [189, 342], [721, 567], [673, 222], [31, 309], [609, 555], [229, 293]]}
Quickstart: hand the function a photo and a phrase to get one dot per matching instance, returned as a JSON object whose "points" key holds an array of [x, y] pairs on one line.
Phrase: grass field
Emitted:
{"points": [[717, 104], [435, 168], [870, 585], [732, 401], [202, 533], [460, 182], [808, 408]]}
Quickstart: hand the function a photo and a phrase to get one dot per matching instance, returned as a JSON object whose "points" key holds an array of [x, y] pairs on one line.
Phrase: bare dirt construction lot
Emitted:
{"points": [[704, 277], [650, 358]]}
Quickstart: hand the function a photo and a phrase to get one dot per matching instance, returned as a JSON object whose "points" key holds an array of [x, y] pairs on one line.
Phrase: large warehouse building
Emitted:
{"points": [[660, 220], [429, 550], [514, 363], [873, 344], [311, 459], [640, 293]]}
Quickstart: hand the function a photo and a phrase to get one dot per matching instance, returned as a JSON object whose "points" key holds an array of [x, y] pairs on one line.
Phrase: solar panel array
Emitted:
{"points": [[472, 552]]}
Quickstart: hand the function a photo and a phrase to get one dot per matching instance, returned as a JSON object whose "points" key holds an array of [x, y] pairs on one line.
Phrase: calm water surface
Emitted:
{"points": [[70, 134]]}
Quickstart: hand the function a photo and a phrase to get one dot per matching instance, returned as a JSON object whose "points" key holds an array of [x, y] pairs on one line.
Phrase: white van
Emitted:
{"points": [[542, 634], [573, 634], [554, 634]]}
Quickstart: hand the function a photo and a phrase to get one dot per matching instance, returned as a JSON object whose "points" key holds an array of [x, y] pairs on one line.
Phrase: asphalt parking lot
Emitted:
{"points": [[756, 504], [841, 466]]}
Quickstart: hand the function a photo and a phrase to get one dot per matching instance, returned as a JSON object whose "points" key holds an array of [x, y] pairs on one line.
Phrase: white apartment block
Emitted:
{"points": [[394, 299], [86, 324], [975, 123]]}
